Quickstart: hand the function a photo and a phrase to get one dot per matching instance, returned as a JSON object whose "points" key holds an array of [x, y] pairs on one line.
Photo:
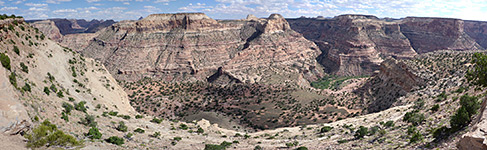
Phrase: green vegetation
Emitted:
{"points": [[155, 120], [292, 144], [222, 146], [183, 126], [200, 130], [435, 108], [414, 117], [332, 81], [325, 129], [156, 135], [16, 50], [139, 130], [80, 106], [46, 90], [5, 61], [113, 113], [60, 94], [67, 107], [94, 133], [302, 148], [89, 120], [5, 16], [13, 79], [361, 132], [26, 87], [47, 133], [138, 116], [115, 140], [463, 116], [24, 67], [478, 75], [122, 127]]}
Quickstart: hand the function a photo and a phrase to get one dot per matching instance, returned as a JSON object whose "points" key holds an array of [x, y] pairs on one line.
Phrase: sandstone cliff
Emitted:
{"points": [[192, 46], [477, 30], [354, 44], [432, 34]]}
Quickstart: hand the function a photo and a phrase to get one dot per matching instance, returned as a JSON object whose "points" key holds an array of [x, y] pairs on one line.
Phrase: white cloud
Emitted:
{"points": [[65, 11], [91, 1], [126, 3], [38, 9], [35, 5], [1, 3], [8, 8], [163, 1], [57, 1]]}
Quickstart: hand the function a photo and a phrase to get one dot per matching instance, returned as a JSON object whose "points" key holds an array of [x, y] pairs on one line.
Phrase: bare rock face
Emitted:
{"points": [[477, 30], [56, 29], [431, 34], [354, 44], [49, 28], [476, 139], [192, 46], [394, 79]]}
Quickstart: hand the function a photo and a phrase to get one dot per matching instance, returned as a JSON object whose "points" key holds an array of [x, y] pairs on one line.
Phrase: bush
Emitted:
{"points": [[26, 87], [302, 148], [155, 135], [47, 133], [64, 116], [60, 94], [46, 90], [200, 130], [414, 117], [115, 140], [139, 130], [183, 126], [113, 113], [16, 50], [435, 108], [222, 146], [13, 79], [67, 107], [94, 133], [122, 127], [417, 136], [155, 120], [478, 75], [24, 67], [80, 106], [361, 132], [138, 116], [325, 129], [89, 120], [389, 123], [5, 61], [462, 117]]}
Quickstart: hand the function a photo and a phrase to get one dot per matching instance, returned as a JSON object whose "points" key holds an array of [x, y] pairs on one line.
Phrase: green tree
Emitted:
{"points": [[5, 61], [94, 133], [361, 132], [478, 75]]}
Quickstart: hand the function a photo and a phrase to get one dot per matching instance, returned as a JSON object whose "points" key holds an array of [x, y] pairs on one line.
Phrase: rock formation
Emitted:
{"points": [[354, 44], [478, 31], [192, 46], [431, 34]]}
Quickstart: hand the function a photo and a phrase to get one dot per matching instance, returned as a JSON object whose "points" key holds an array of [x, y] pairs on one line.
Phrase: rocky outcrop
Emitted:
{"points": [[49, 29], [432, 34], [192, 46], [476, 139], [477, 30], [395, 79], [354, 44]]}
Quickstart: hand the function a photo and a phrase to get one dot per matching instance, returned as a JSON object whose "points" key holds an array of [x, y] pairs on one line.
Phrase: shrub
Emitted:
{"points": [[80, 106], [361, 132], [139, 130], [60, 94], [177, 138], [389, 123], [46, 90], [183, 126], [302, 148], [67, 107], [138, 116], [200, 130], [222, 146], [16, 50], [113, 113], [47, 133], [156, 135], [325, 129], [417, 136], [115, 140], [258, 147], [122, 127], [155, 120], [462, 117], [435, 108], [13, 79], [94, 133], [478, 75], [5, 61], [24, 67], [64, 116], [414, 117], [89, 120], [26, 87]]}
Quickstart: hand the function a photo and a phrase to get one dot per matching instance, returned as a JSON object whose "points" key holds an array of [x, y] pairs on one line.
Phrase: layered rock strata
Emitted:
{"points": [[192, 46]]}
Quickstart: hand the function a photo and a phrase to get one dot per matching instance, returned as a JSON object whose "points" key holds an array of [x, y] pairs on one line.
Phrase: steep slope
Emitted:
{"points": [[432, 34], [189, 47], [354, 44], [477, 30]]}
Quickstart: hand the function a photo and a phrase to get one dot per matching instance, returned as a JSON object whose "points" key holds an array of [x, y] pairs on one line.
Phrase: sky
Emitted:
{"points": [[238, 9]]}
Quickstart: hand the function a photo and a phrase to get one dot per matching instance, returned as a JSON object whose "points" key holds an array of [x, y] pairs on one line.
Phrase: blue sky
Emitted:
{"points": [[237, 9]]}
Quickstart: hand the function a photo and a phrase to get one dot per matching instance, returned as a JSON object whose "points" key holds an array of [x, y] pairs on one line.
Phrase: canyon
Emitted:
{"points": [[187, 81]]}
